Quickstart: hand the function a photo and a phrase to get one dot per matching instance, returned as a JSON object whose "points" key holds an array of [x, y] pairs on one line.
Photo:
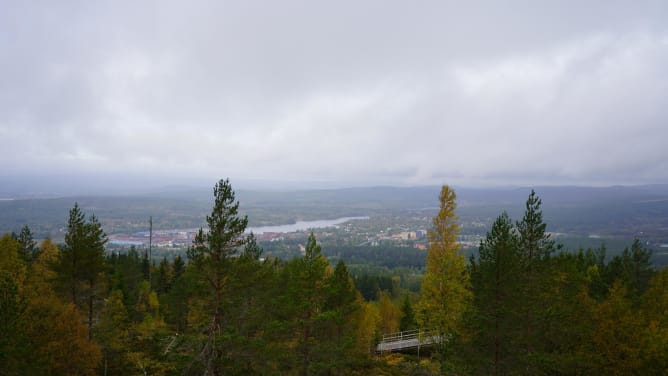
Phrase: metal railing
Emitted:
{"points": [[406, 340], [400, 336]]}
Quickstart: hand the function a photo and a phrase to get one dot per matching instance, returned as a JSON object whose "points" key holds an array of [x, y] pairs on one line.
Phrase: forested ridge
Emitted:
{"points": [[520, 305]]}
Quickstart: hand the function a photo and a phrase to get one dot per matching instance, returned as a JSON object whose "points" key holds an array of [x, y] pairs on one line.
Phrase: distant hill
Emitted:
{"points": [[612, 211]]}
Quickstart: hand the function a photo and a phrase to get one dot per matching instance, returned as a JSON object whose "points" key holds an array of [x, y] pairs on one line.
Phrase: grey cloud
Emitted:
{"points": [[372, 92]]}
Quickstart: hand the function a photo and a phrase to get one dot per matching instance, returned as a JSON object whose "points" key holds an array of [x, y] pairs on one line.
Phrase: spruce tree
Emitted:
{"points": [[308, 295], [496, 286], [164, 281], [638, 267], [178, 267], [407, 321], [337, 337]]}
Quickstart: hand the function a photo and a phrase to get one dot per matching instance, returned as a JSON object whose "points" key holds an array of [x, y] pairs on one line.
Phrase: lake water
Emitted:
{"points": [[126, 242], [302, 225]]}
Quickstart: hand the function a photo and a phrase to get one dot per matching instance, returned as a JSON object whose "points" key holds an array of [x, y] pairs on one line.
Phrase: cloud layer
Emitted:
{"points": [[337, 92]]}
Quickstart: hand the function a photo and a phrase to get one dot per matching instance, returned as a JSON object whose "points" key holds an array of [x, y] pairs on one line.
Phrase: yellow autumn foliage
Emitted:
{"points": [[445, 294]]}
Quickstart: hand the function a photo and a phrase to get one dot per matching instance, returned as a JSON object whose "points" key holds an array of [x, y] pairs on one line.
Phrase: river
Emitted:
{"points": [[302, 225]]}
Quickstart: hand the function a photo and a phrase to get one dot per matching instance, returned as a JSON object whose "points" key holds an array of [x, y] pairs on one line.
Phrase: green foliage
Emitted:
{"points": [[408, 320], [633, 267], [569, 313], [179, 267], [26, 245], [535, 246], [497, 300], [524, 310], [251, 248], [81, 260], [307, 282], [113, 333], [210, 255], [12, 346], [164, 277]]}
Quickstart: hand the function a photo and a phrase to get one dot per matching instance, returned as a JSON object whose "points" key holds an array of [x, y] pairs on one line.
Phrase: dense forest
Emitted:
{"points": [[520, 305]]}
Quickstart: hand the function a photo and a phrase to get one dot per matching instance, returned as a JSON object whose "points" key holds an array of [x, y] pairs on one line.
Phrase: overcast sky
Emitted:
{"points": [[336, 93]]}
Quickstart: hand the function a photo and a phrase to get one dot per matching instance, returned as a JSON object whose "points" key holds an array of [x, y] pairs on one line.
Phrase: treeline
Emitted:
{"points": [[534, 309], [72, 310], [386, 256], [521, 305]]}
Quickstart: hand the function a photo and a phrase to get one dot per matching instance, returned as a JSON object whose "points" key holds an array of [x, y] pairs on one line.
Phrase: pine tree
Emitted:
{"points": [[248, 324], [535, 246], [210, 254], [445, 294], [27, 245], [252, 250], [81, 260]]}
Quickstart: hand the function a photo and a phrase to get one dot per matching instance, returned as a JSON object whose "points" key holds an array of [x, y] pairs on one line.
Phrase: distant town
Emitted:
{"points": [[353, 231]]}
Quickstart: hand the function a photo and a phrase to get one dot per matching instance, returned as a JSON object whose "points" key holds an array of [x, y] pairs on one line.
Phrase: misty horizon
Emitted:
{"points": [[53, 186]]}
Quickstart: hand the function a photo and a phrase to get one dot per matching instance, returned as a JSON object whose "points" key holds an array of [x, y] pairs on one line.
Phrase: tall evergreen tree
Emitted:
{"points": [[178, 267], [408, 321], [638, 268], [145, 264], [210, 254], [337, 324], [27, 245], [247, 325], [445, 294], [252, 250], [535, 246], [308, 296], [496, 300], [81, 260], [164, 280]]}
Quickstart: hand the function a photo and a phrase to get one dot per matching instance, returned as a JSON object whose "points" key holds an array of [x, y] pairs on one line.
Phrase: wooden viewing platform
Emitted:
{"points": [[406, 340]]}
